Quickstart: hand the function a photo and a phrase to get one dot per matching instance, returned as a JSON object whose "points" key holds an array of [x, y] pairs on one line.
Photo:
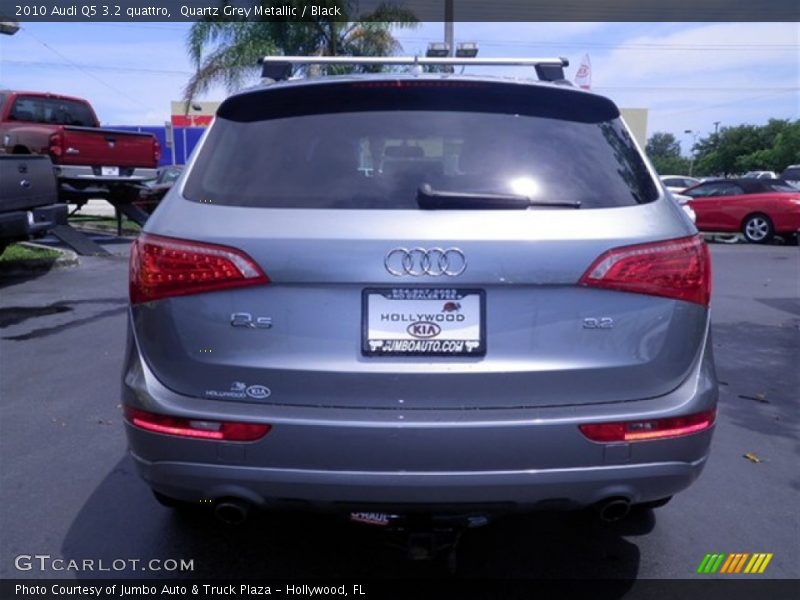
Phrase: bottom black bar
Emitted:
{"points": [[412, 589]]}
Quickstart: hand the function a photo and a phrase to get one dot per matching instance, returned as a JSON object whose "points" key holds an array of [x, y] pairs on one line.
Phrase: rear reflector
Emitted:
{"points": [[206, 430], [656, 429], [163, 267], [679, 269]]}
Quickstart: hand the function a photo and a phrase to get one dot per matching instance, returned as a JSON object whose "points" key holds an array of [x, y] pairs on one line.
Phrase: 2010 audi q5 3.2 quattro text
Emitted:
{"points": [[415, 293]]}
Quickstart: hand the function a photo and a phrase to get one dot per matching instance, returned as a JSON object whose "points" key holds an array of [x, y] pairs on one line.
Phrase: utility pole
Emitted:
{"points": [[448, 26], [694, 135]]}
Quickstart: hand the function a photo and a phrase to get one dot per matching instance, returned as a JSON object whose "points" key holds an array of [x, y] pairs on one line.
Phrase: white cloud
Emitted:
{"points": [[728, 72], [702, 51]]}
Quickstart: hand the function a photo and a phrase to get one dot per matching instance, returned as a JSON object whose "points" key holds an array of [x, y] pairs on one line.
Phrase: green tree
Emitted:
{"points": [[746, 147], [227, 52], [664, 152], [784, 151]]}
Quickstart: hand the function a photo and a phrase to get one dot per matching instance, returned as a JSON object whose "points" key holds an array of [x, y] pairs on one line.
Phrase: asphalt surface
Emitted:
{"points": [[68, 489]]}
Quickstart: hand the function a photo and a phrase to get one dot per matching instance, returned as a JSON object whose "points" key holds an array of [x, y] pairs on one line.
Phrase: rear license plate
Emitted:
{"points": [[110, 171], [373, 518], [423, 322]]}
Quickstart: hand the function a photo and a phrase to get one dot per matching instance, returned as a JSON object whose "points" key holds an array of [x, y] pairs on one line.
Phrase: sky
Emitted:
{"points": [[688, 75]]}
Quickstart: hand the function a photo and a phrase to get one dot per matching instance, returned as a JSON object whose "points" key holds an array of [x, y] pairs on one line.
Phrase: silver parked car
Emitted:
{"points": [[678, 183], [425, 292]]}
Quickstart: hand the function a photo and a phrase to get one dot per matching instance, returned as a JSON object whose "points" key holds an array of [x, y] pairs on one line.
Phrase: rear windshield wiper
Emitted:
{"points": [[430, 199]]}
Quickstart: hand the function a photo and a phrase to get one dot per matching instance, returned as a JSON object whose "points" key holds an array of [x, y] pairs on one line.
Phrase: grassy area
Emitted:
{"points": [[16, 253], [104, 223]]}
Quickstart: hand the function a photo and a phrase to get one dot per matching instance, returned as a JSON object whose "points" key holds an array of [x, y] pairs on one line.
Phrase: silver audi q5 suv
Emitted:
{"points": [[421, 292]]}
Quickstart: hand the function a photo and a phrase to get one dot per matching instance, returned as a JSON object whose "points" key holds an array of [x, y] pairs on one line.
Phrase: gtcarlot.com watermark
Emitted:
{"points": [[47, 563]]}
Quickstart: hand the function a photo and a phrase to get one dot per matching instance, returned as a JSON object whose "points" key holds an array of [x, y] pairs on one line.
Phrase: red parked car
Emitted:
{"points": [[758, 208]]}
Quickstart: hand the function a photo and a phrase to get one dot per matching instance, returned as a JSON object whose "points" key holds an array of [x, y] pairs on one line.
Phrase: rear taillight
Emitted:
{"points": [[195, 428], [655, 429], [679, 269], [56, 144], [156, 151], [163, 267]]}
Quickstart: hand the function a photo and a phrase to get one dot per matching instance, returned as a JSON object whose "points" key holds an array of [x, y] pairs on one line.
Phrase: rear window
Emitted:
{"points": [[56, 111], [378, 156]]}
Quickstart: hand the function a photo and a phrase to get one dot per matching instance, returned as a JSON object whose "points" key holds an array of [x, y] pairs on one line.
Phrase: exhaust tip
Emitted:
{"points": [[232, 511], [614, 509]]}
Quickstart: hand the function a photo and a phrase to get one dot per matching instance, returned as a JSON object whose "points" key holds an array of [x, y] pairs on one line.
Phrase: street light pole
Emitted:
{"points": [[448, 26], [694, 135]]}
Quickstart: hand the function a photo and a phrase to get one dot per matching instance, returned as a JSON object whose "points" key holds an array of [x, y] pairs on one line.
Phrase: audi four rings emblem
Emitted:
{"points": [[420, 261]]}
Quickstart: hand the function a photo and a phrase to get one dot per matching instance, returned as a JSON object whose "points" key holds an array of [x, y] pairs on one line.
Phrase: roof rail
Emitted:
{"points": [[279, 68]]}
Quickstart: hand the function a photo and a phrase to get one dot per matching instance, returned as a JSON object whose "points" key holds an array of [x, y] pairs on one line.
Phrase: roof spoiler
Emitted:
{"points": [[279, 68]]}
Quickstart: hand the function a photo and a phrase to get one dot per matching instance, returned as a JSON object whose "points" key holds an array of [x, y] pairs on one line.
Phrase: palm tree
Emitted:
{"points": [[228, 52]]}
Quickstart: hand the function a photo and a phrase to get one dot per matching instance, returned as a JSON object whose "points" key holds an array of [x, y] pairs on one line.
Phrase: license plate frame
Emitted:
{"points": [[448, 347], [109, 171]]}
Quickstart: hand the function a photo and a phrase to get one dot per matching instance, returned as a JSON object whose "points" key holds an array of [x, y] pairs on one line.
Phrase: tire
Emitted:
{"points": [[758, 229]]}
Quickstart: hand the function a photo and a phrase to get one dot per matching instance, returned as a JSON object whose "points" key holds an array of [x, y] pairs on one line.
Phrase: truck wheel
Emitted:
{"points": [[758, 229], [123, 195]]}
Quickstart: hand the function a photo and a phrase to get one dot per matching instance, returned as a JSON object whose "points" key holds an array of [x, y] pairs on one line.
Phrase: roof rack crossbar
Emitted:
{"points": [[280, 67]]}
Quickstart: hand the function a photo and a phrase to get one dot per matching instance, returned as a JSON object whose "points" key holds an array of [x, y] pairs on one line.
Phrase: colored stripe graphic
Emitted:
{"points": [[735, 563], [740, 564], [704, 563], [727, 565], [715, 565], [765, 563], [754, 562]]}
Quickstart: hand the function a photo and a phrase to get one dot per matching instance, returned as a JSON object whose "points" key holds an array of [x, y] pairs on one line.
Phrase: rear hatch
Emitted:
{"points": [[364, 244]]}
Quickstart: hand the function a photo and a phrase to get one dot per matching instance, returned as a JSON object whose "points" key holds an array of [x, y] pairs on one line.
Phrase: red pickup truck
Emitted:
{"points": [[89, 162]]}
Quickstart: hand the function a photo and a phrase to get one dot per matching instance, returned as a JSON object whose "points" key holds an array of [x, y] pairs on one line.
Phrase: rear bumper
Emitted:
{"points": [[24, 224], [502, 491], [349, 459], [91, 174]]}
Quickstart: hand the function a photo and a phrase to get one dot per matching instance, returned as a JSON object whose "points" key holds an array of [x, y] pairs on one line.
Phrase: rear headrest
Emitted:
{"points": [[404, 152]]}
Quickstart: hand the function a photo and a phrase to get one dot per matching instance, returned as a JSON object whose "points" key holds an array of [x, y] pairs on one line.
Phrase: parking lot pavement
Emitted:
{"points": [[68, 489], [96, 207]]}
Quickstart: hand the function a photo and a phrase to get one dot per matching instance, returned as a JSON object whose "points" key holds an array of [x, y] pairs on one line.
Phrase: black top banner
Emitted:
{"points": [[424, 10]]}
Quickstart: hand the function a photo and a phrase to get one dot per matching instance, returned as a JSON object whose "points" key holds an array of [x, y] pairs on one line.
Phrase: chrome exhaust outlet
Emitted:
{"points": [[614, 509], [232, 511]]}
